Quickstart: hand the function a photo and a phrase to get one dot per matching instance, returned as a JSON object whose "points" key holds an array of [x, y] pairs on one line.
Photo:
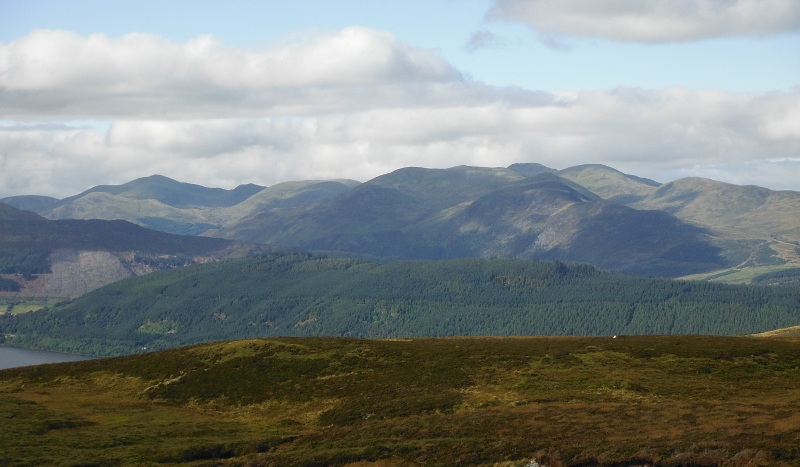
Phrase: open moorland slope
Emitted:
{"points": [[561, 402]]}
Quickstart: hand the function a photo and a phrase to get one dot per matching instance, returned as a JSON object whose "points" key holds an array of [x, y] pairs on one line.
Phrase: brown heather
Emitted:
{"points": [[629, 401]]}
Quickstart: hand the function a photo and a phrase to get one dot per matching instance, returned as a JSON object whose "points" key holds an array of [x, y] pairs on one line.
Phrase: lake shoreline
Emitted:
{"points": [[17, 357]]}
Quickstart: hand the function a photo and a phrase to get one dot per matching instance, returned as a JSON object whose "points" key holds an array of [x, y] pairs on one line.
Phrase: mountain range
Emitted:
{"points": [[589, 213]]}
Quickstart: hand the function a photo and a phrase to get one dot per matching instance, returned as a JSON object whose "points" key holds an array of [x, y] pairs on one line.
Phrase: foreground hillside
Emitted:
{"points": [[312, 295], [629, 401]]}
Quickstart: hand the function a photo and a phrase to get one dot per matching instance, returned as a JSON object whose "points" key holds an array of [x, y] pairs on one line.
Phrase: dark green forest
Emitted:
{"points": [[314, 295], [25, 261]]}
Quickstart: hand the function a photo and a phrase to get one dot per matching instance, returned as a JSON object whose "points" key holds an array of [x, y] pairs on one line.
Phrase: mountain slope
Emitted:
{"points": [[626, 240], [758, 229], [67, 258], [736, 211], [33, 203], [163, 204], [173, 193], [438, 189], [371, 218], [610, 184], [546, 218], [307, 295], [283, 196], [147, 212], [528, 169], [9, 213], [475, 212], [156, 202], [100, 235]]}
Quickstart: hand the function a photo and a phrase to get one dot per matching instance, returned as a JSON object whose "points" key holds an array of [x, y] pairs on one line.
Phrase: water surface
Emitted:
{"points": [[12, 357]]}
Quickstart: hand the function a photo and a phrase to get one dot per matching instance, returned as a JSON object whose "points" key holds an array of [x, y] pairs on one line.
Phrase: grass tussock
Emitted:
{"points": [[630, 401]]}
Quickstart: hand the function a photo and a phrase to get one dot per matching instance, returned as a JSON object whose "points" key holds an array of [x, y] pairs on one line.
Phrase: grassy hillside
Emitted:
{"points": [[287, 195], [306, 295], [163, 204], [369, 218], [437, 189], [542, 217], [632, 401], [150, 213], [173, 193], [749, 212], [610, 184], [790, 332]]}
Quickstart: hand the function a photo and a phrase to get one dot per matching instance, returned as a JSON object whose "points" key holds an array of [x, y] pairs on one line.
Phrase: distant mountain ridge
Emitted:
{"points": [[160, 203], [591, 213], [173, 193], [33, 203], [419, 213]]}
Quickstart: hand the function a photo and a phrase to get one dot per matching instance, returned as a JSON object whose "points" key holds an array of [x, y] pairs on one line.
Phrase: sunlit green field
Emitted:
{"points": [[653, 400], [22, 305], [737, 276]]}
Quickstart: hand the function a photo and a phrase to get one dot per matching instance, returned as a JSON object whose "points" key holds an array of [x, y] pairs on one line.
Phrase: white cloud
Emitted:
{"points": [[660, 134], [652, 20], [59, 74]]}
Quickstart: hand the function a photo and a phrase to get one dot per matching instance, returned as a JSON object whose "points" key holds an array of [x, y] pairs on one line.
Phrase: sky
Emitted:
{"points": [[225, 93]]}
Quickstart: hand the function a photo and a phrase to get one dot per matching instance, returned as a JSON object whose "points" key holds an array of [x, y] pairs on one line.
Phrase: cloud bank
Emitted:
{"points": [[59, 74], [652, 20], [353, 104]]}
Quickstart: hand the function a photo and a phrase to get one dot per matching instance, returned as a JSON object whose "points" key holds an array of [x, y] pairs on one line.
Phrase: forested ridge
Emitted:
{"points": [[314, 295]]}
